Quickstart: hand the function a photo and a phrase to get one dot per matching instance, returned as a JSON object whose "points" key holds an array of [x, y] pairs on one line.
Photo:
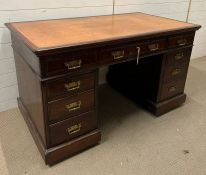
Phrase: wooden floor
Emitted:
{"points": [[173, 144]]}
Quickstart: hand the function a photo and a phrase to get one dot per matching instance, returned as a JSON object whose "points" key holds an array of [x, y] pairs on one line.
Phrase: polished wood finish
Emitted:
{"points": [[70, 85], [30, 94], [72, 127], [175, 72], [165, 106], [32, 128], [119, 53], [57, 73], [178, 57], [152, 46], [63, 151], [181, 40], [172, 88], [79, 103], [68, 62], [58, 153]]}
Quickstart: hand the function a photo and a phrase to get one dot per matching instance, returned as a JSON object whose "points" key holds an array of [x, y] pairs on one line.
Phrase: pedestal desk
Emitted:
{"points": [[57, 64]]}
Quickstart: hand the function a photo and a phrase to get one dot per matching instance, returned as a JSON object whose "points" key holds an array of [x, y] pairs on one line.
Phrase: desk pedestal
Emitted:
{"points": [[153, 83]]}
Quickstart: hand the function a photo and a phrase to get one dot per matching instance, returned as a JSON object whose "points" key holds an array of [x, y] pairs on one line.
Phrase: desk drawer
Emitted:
{"points": [[69, 62], [121, 53], [179, 57], [152, 46], [72, 127], [70, 106], [70, 85], [117, 54], [181, 40], [173, 88], [175, 72]]}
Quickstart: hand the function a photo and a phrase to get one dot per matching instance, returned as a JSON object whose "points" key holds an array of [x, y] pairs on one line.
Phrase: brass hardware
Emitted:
{"points": [[118, 54], [73, 64], [176, 71], [181, 42], [153, 47], [74, 106], [72, 85], [172, 89], [179, 56], [74, 129]]}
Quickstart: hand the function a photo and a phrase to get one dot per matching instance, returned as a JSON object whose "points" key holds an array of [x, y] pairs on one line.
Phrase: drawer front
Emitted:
{"points": [[178, 57], [181, 40], [152, 47], [72, 127], [173, 88], [64, 63], [70, 106], [70, 85], [121, 53], [117, 54], [175, 72]]}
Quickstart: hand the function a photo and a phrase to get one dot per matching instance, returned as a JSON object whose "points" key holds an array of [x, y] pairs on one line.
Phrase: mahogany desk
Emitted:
{"points": [[57, 65]]}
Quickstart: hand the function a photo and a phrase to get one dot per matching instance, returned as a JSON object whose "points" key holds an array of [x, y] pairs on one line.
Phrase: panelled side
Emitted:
{"points": [[29, 86]]}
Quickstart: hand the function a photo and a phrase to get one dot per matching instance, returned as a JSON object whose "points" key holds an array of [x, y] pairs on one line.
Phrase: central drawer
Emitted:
{"points": [[151, 47], [124, 52], [115, 54], [71, 106]]}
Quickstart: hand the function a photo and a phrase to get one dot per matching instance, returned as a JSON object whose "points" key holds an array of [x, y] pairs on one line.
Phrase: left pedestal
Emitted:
{"points": [[60, 111]]}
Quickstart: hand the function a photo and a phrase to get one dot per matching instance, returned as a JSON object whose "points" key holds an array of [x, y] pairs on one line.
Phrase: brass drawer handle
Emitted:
{"points": [[176, 71], [73, 106], [73, 64], [118, 54], [172, 89], [74, 129], [181, 42], [153, 47], [72, 85], [179, 56]]}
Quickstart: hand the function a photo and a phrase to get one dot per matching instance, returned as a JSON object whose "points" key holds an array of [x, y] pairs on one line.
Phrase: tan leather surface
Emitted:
{"points": [[69, 32]]}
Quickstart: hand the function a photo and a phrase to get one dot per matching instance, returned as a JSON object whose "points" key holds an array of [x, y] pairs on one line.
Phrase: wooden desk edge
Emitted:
{"points": [[61, 48]]}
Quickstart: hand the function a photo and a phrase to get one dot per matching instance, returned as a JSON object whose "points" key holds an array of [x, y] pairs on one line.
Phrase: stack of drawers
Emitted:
{"points": [[175, 72], [71, 107], [70, 98], [175, 66]]}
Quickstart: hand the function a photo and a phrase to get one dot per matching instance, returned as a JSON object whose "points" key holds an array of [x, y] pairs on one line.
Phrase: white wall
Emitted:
{"points": [[198, 15], [24, 10], [176, 9]]}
